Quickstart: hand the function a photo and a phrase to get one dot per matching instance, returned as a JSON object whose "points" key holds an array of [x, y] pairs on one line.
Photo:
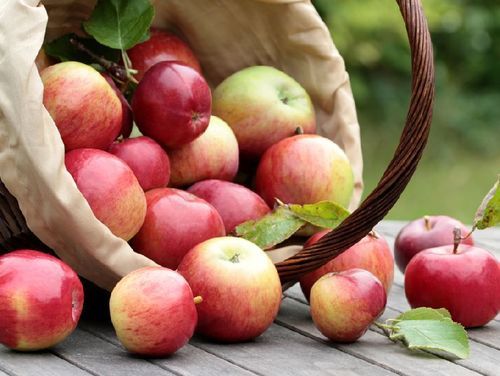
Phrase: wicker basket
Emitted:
{"points": [[14, 232]]}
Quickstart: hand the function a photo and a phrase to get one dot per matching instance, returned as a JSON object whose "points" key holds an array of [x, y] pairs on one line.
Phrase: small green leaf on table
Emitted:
{"points": [[120, 24], [488, 213], [326, 214], [430, 330], [271, 229]]}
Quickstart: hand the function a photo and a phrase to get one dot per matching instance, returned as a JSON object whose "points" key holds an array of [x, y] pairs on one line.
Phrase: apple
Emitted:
{"points": [[127, 116], [153, 311], [371, 253], [41, 299], [263, 106], [110, 188], [161, 46], [84, 107], [240, 287], [305, 169], [345, 304], [465, 281], [235, 203], [423, 233], [213, 155], [146, 158], [172, 104], [175, 222]]}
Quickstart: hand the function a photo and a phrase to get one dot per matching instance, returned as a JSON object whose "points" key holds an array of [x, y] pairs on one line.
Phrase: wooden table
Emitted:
{"points": [[291, 346]]}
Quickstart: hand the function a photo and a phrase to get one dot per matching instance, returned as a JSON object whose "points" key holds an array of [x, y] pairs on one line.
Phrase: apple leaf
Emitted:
{"points": [[326, 214], [430, 330], [488, 213], [120, 24], [271, 229], [62, 49]]}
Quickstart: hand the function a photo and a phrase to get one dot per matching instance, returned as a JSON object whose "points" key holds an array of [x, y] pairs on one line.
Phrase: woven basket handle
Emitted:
{"points": [[401, 168]]}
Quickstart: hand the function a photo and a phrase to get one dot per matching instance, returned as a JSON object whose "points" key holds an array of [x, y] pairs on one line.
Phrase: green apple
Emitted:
{"points": [[263, 106]]}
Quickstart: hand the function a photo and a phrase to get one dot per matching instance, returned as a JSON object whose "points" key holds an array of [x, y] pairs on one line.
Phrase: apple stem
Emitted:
{"points": [[118, 72], [457, 237], [197, 299], [299, 130], [427, 223]]}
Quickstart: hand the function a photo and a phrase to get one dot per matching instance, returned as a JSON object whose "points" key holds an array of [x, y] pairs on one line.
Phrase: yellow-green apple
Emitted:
{"points": [[146, 158], [111, 189], [213, 155], [41, 299], [263, 106], [153, 311], [465, 281], [172, 104], [427, 232], [345, 304], [371, 253], [127, 116], [240, 287], [305, 169], [235, 203], [175, 222], [161, 46], [84, 107]]}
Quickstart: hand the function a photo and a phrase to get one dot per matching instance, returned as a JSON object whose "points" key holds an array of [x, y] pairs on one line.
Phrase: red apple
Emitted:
{"points": [[263, 106], [41, 299], [153, 312], [305, 169], [465, 282], [175, 222], [240, 287], [146, 158], [371, 253], [345, 304], [82, 104], [161, 46], [172, 104], [127, 116], [111, 189], [235, 203], [213, 155], [423, 233]]}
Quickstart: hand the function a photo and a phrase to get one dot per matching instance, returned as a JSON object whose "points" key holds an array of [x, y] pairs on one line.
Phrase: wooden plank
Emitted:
{"points": [[190, 360], [280, 351], [373, 346], [38, 363], [102, 358]]}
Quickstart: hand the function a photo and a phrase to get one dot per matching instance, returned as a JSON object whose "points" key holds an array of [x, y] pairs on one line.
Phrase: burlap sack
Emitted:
{"points": [[226, 36]]}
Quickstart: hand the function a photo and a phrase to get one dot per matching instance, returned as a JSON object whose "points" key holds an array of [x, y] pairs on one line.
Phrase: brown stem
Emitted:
{"points": [[457, 237], [427, 222], [299, 130], [197, 299]]}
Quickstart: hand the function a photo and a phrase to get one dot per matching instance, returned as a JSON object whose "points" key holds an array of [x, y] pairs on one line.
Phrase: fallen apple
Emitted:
{"points": [[41, 299]]}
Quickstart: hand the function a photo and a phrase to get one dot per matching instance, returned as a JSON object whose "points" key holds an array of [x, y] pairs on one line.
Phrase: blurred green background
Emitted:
{"points": [[462, 158]]}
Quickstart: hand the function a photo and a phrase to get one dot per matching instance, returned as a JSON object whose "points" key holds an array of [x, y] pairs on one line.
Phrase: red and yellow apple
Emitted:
{"points": [[175, 222], [41, 299], [263, 106], [240, 287], [84, 107], [371, 253], [305, 169], [153, 311], [213, 155], [110, 188]]}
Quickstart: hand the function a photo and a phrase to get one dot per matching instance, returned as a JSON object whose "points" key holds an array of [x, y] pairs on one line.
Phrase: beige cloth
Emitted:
{"points": [[226, 35]]}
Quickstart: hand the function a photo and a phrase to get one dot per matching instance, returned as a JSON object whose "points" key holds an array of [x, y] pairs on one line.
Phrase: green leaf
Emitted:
{"points": [[62, 49], [488, 213], [271, 229], [326, 214], [120, 24], [424, 313]]}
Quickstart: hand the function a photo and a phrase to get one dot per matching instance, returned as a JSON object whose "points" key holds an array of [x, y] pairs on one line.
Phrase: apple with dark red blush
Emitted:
{"points": [[127, 116], [161, 46], [423, 233], [172, 104], [146, 158]]}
